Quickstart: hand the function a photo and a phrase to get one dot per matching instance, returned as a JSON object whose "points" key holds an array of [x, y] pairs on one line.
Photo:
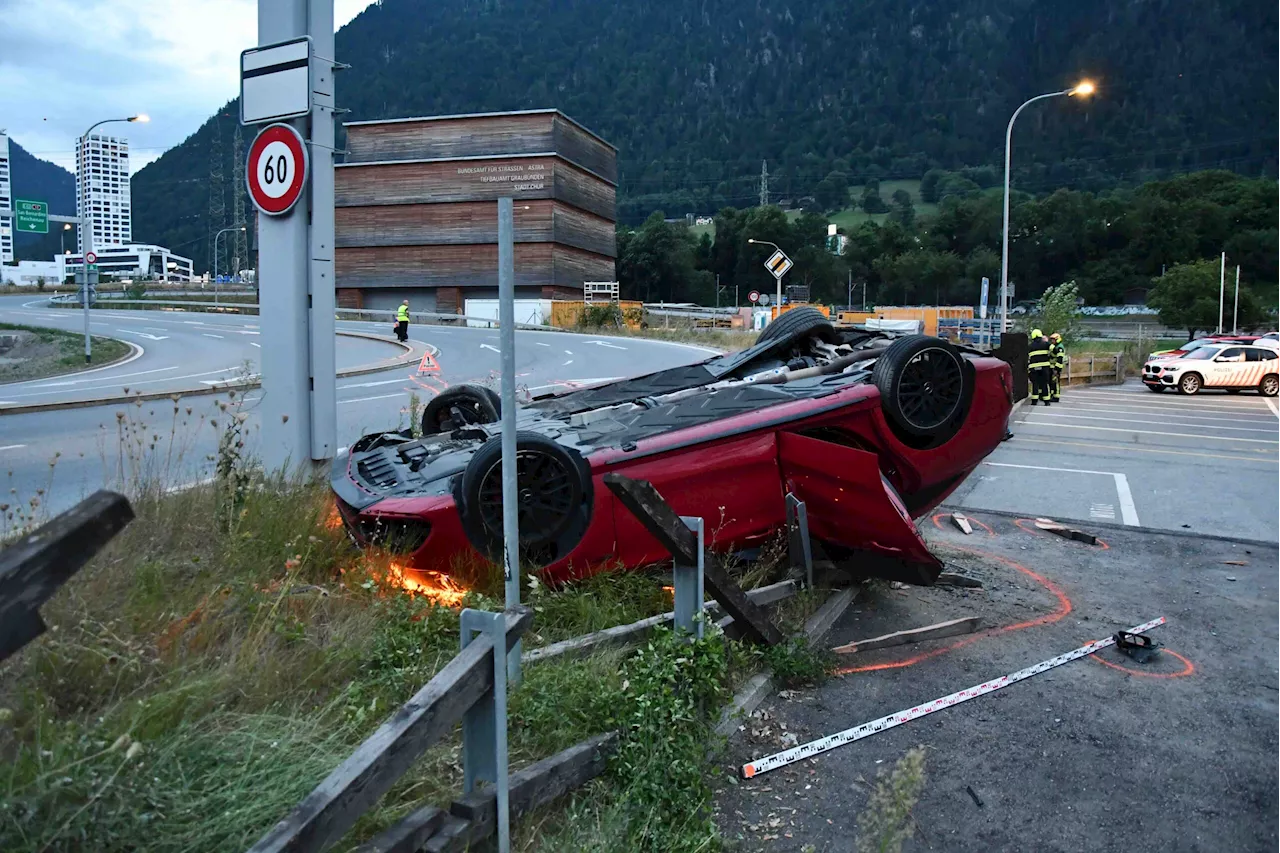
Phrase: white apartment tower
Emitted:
{"points": [[102, 189], [6, 202]]}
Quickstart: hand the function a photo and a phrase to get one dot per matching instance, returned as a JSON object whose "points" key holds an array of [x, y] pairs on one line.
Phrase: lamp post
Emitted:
{"points": [[86, 223], [778, 299], [1083, 89], [215, 258], [62, 237]]}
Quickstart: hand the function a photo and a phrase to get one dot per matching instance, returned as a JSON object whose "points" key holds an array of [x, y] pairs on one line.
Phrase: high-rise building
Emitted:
{"points": [[6, 203], [102, 189]]}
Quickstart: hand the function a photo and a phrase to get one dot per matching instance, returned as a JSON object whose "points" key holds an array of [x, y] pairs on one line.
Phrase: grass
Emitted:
{"points": [[230, 648], [68, 357]]}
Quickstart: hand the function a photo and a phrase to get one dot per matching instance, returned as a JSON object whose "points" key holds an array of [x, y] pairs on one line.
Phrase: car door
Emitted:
{"points": [[1227, 369], [1260, 361]]}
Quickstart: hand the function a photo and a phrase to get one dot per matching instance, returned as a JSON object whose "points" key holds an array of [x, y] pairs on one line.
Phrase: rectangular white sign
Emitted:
{"points": [[275, 82], [982, 306]]}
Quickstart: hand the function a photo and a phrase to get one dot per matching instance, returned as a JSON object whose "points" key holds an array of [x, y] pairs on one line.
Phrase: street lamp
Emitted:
{"points": [[778, 300], [1084, 89], [215, 258], [86, 224]]}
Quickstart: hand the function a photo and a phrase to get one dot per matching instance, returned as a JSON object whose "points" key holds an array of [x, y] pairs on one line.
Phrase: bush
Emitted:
{"points": [[1057, 311]]}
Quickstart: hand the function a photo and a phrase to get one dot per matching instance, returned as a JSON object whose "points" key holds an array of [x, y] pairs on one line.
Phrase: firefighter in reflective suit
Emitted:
{"points": [[1057, 361], [1039, 367]]}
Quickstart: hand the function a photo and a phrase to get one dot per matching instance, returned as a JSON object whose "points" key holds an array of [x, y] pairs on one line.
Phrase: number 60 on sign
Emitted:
{"points": [[277, 169]]}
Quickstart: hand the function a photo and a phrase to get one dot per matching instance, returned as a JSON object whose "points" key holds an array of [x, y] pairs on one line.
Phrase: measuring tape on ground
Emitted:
{"points": [[830, 742]]}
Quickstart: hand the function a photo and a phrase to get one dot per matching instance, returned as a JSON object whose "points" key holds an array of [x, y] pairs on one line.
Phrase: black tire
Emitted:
{"points": [[796, 324], [1190, 384], [925, 387], [554, 484], [459, 406], [1157, 389], [1269, 385]]}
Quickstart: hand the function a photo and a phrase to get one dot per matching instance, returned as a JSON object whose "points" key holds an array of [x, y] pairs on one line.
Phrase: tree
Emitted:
{"points": [[1058, 311], [929, 185], [1187, 296], [871, 201], [902, 211]]}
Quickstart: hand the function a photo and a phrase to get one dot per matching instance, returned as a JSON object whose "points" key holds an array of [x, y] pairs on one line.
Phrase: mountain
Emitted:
{"points": [[33, 178], [697, 93]]}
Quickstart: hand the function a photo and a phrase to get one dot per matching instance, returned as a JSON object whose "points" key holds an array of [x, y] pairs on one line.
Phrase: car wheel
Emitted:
{"points": [[1189, 383], [1156, 389], [925, 386], [796, 324], [554, 487], [1269, 385], [459, 406]]}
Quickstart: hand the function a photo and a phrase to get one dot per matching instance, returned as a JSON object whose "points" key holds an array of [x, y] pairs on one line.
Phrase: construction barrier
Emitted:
{"points": [[566, 314], [929, 315], [773, 311]]}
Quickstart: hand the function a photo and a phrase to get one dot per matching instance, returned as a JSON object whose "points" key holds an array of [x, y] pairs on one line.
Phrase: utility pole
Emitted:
{"points": [[1222, 289], [217, 189], [717, 291], [849, 298], [1235, 313], [238, 193], [764, 182]]}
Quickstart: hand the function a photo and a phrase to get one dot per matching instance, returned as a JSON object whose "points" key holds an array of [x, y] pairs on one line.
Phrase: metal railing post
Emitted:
{"points": [[484, 725], [688, 584], [799, 548]]}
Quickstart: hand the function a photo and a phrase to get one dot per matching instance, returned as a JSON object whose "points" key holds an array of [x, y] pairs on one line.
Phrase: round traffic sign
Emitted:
{"points": [[754, 296], [764, 299], [277, 169], [90, 258]]}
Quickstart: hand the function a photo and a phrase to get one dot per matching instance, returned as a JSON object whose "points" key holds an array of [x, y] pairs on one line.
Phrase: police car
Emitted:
{"points": [[1232, 367]]}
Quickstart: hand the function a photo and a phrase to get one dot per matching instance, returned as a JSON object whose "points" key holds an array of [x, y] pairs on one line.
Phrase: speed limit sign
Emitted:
{"points": [[754, 296], [277, 169]]}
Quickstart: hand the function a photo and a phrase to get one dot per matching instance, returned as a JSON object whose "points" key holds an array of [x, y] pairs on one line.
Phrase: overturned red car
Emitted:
{"points": [[868, 429]]}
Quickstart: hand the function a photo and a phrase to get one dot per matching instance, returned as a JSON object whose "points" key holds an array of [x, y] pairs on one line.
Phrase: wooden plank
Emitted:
{"points": [[621, 635], [951, 628], [455, 136], [409, 834], [453, 835], [962, 523], [1051, 526], [535, 786], [330, 810], [954, 579], [657, 516], [34, 567]]}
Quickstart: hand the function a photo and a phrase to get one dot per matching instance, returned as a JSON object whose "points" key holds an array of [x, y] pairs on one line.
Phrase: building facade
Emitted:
{"points": [[416, 209], [134, 260], [6, 202], [102, 189]]}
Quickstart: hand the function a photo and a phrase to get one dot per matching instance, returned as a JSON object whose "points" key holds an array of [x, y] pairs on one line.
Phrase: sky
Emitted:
{"points": [[65, 64]]}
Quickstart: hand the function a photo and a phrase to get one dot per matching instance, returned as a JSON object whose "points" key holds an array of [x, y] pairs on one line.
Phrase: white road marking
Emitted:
{"points": [[147, 335], [489, 347], [568, 352], [373, 384], [541, 344], [1127, 509], [1225, 403], [1269, 459], [219, 337], [154, 329], [1151, 432], [1102, 512], [11, 446], [1153, 423], [1213, 417], [567, 363], [1271, 404], [604, 344], [66, 382], [252, 344], [367, 399]]}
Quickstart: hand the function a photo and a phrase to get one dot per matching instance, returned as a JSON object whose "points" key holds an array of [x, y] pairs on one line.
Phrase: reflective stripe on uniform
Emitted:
{"points": [[1037, 358]]}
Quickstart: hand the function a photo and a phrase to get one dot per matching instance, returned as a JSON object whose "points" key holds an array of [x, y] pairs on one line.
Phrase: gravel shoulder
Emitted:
{"points": [[1098, 754]]}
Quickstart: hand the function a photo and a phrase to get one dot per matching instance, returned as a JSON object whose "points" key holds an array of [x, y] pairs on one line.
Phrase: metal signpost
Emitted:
{"points": [[31, 217], [287, 84], [982, 310], [510, 491]]}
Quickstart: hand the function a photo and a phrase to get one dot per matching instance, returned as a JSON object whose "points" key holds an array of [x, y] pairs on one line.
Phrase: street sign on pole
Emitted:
{"points": [[778, 264], [30, 217], [754, 296], [982, 304], [764, 299], [277, 169], [275, 81]]}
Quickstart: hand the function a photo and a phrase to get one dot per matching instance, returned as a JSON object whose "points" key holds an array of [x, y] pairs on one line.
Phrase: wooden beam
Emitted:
{"points": [[962, 523], [333, 807], [952, 628], [409, 834], [1050, 526], [954, 579], [644, 502], [33, 568]]}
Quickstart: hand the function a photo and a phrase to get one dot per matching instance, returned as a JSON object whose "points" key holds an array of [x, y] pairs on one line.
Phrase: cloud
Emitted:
{"points": [[65, 64]]}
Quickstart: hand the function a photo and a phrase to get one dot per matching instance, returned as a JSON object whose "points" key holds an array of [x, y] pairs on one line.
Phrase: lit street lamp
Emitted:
{"points": [[215, 258], [1084, 89], [86, 225], [778, 300]]}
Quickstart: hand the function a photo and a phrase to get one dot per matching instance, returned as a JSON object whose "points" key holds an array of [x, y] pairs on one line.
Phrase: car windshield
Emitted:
{"points": [[1203, 353]]}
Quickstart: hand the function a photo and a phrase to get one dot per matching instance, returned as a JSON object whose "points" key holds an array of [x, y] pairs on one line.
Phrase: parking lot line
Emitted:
{"points": [[1235, 404], [1152, 432], [1130, 448], [1271, 404], [1128, 512], [1271, 431], [1242, 417]]}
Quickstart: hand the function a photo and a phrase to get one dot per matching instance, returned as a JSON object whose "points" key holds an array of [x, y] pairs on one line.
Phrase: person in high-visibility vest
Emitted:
{"points": [[1057, 361], [1038, 366], [402, 321]]}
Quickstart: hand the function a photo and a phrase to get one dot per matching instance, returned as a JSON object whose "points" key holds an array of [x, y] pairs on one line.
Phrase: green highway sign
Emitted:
{"points": [[31, 217]]}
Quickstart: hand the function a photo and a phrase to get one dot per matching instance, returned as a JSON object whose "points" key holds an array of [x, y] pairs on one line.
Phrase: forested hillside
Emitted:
{"points": [[696, 93], [41, 180]]}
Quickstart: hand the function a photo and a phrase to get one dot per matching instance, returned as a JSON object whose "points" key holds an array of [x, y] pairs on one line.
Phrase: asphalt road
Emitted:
{"points": [[1098, 754], [176, 446], [1122, 454]]}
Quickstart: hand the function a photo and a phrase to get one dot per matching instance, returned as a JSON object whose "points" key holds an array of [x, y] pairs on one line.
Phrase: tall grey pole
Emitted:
{"points": [[507, 342], [1004, 242], [322, 288], [282, 268], [1235, 312], [1222, 289]]}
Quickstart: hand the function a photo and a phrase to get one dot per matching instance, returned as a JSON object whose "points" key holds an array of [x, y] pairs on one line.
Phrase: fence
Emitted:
{"points": [[1093, 369]]}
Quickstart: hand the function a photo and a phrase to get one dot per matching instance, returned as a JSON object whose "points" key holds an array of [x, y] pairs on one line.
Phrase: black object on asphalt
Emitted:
{"points": [[976, 799], [1140, 647]]}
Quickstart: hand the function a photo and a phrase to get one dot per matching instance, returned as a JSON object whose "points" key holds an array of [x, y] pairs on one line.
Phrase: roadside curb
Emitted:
{"points": [[413, 353], [760, 686], [135, 352]]}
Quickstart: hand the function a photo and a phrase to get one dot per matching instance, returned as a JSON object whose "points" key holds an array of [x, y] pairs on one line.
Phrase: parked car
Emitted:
{"points": [[1234, 368], [1196, 343], [869, 429]]}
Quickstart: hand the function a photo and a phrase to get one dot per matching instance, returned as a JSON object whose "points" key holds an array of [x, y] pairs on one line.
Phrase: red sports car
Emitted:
{"points": [[868, 429]]}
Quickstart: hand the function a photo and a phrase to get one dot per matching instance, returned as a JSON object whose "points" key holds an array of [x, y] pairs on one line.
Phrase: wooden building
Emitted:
{"points": [[417, 213]]}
